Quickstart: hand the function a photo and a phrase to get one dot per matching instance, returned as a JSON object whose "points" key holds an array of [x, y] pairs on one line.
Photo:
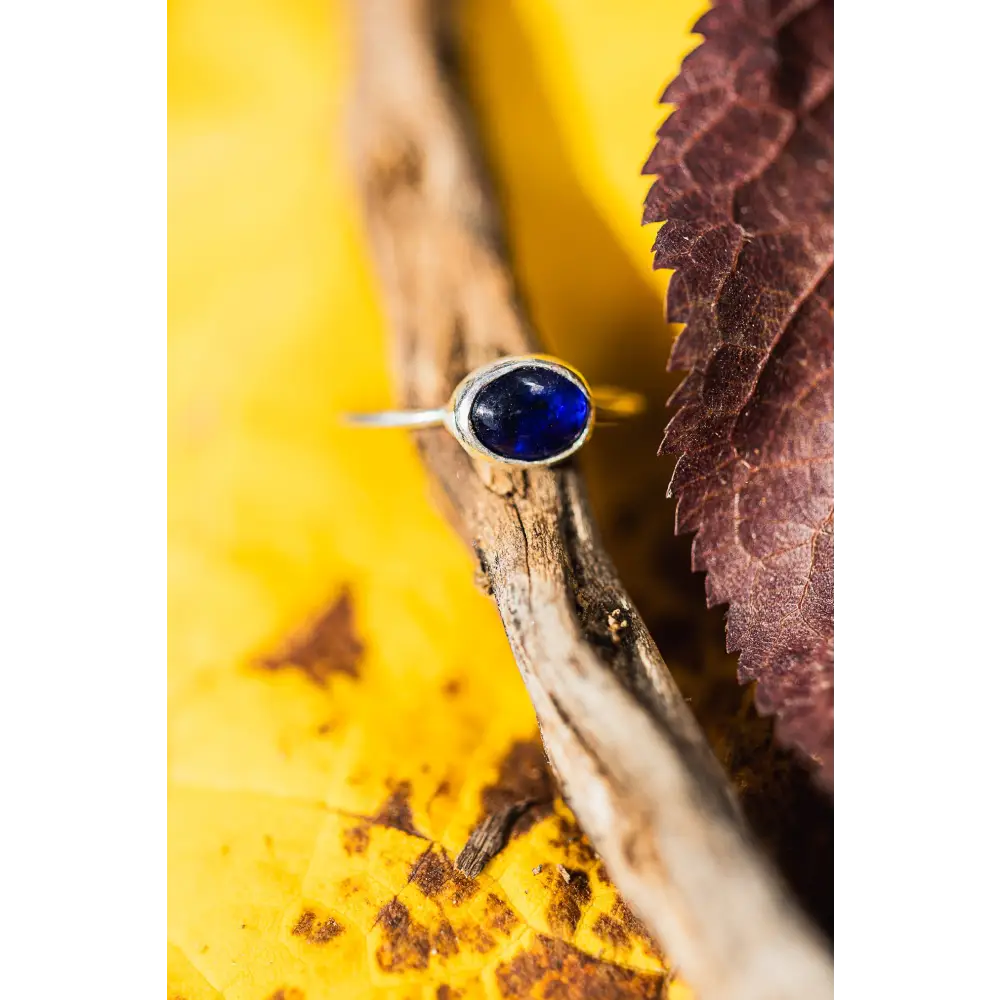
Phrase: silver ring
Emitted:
{"points": [[526, 410]]}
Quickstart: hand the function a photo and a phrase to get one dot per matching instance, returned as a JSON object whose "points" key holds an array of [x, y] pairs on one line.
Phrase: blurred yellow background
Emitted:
{"points": [[275, 510]]}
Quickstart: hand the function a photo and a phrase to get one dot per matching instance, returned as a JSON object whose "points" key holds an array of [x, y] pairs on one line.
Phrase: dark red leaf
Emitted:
{"points": [[745, 192]]}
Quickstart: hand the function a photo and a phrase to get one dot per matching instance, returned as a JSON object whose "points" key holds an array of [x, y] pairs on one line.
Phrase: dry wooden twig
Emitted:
{"points": [[631, 759]]}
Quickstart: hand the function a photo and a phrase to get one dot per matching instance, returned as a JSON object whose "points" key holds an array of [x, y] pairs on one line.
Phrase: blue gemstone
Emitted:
{"points": [[529, 414]]}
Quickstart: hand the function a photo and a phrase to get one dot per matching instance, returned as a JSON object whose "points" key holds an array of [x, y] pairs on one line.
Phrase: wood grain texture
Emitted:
{"points": [[631, 760]]}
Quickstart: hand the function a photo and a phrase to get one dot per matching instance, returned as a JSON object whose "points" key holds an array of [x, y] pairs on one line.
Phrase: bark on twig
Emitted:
{"points": [[490, 837], [632, 761]]}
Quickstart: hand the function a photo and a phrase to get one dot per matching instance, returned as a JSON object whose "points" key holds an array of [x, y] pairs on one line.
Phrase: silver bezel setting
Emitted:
{"points": [[459, 416]]}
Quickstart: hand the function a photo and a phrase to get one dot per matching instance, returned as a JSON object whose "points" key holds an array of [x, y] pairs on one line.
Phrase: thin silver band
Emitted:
{"points": [[398, 418]]}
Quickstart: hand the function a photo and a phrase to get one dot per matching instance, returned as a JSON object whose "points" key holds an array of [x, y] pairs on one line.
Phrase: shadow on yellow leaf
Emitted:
{"points": [[342, 700]]}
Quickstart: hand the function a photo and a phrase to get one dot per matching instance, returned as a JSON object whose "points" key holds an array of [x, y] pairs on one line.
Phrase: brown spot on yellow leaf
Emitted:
{"points": [[552, 968], [395, 811], [610, 930], [317, 932], [430, 872], [476, 938], [326, 931], [570, 893], [443, 940], [622, 914], [572, 840], [287, 993], [325, 647], [356, 839], [407, 944], [434, 874], [461, 888], [499, 916]]}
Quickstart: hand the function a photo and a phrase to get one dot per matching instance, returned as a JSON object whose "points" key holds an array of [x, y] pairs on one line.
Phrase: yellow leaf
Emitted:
{"points": [[341, 697]]}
